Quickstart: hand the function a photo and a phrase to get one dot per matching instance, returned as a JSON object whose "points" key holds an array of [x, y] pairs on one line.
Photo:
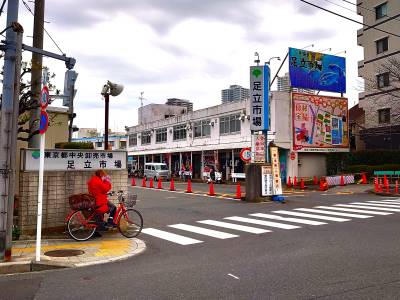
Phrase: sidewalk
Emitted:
{"points": [[67, 253]]}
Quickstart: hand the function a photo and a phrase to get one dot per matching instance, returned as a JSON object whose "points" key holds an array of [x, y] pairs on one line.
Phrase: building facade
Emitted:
{"points": [[235, 93], [283, 84], [381, 73], [180, 102], [115, 141]]}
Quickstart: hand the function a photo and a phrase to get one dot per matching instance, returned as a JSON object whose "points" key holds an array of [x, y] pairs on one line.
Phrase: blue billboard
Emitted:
{"points": [[317, 71]]}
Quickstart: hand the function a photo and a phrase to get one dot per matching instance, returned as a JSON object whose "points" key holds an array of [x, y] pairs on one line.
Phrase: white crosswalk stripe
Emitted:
{"points": [[382, 204], [312, 216], [370, 212], [234, 226], [367, 207], [172, 237], [204, 231], [294, 220], [261, 222], [391, 201], [334, 213]]}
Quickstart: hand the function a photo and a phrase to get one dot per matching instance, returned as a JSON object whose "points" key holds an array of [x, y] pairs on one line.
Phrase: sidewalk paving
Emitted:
{"points": [[111, 247]]}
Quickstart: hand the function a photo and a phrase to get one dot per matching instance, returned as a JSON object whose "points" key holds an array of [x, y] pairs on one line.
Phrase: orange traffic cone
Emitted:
{"points": [[289, 182], [302, 187], [363, 178], [380, 186], [315, 180], [159, 186], [211, 193], [172, 185], [151, 183], [144, 182], [133, 183], [295, 181], [342, 180], [396, 187], [322, 186], [376, 184], [189, 187], [238, 192], [385, 181]]}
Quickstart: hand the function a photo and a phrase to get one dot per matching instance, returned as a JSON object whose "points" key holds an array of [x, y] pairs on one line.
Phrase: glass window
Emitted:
{"points": [[164, 167], [384, 115], [202, 128], [197, 129], [161, 135], [381, 11], [229, 124], [133, 140], [99, 144], [122, 144], [383, 80], [146, 137], [382, 45], [179, 132], [111, 143]]}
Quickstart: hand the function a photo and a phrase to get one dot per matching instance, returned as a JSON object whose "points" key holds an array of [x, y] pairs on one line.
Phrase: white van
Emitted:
{"points": [[156, 171]]}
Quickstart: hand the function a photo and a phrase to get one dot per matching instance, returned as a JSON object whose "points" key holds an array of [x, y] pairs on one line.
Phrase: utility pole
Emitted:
{"points": [[7, 130], [141, 107], [36, 75]]}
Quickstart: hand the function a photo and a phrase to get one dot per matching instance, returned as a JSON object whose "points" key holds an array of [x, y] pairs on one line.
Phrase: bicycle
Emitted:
{"points": [[81, 224]]}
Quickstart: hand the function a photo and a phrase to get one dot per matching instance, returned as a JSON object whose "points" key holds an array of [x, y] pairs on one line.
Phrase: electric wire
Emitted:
{"points": [[350, 19], [369, 9], [2, 6], [48, 34], [344, 7]]}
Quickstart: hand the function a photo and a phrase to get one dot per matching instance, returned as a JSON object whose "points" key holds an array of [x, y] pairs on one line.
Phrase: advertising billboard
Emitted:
{"points": [[317, 71], [320, 123]]}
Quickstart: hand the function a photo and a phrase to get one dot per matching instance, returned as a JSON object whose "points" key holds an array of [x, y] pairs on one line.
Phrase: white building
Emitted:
{"points": [[284, 85], [115, 142], [215, 136], [235, 93], [381, 74]]}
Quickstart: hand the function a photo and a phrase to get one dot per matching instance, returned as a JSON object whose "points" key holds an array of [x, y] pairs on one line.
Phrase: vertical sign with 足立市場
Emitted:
{"points": [[259, 106]]}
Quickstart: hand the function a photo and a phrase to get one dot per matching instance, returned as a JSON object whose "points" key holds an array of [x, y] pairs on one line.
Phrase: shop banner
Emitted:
{"points": [[266, 181], [259, 148], [277, 183]]}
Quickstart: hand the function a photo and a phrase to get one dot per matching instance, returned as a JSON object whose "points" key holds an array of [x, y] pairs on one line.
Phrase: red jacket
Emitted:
{"points": [[99, 189]]}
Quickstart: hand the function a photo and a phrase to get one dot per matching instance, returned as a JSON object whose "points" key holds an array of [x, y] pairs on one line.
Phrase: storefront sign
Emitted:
{"points": [[266, 181], [74, 160], [259, 102], [277, 184], [259, 148]]}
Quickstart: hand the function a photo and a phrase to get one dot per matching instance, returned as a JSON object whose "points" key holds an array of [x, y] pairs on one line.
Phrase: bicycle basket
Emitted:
{"points": [[131, 201], [82, 201]]}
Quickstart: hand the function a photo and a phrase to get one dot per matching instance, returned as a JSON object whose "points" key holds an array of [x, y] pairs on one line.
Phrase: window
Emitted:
{"points": [[384, 115], [202, 128], [133, 140], [229, 124], [146, 137], [99, 144], [382, 80], [111, 143], [382, 45], [122, 144], [161, 135], [179, 132], [381, 11]]}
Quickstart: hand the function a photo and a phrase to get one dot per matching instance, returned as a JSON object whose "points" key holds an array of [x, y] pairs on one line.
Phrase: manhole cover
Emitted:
{"points": [[64, 253]]}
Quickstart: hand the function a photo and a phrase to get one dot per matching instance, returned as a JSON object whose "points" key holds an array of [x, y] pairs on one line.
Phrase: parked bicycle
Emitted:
{"points": [[82, 223]]}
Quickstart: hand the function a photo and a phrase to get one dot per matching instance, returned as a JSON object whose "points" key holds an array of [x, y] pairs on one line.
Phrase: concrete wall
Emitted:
{"points": [[58, 186], [311, 164], [151, 112]]}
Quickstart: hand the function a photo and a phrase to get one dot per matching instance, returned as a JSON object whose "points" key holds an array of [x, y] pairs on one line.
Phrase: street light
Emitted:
{"points": [[114, 90], [274, 57]]}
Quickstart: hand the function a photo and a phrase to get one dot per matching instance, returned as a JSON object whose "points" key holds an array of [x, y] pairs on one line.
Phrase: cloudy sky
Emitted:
{"points": [[187, 49]]}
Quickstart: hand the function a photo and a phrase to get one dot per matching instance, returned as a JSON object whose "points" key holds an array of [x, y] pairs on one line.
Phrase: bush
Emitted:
{"points": [[74, 145], [370, 169]]}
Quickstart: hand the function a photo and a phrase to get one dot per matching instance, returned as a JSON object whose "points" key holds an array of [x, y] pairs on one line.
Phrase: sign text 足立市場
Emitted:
{"points": [[259, 93], [73, 160]]}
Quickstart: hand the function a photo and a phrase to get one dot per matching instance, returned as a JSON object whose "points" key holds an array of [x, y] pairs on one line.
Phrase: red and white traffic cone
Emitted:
{"points": [[144, 182], [159, 186], [238, 191], [289, 182], [342, 180], [151, 183], [396, 187], [133, 182], [363, 179], [172, 185], [189, 187], [302, 187], [295, 181], [211, 192]]}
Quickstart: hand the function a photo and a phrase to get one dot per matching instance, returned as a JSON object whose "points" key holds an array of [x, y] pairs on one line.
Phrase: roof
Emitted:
{"points": [[355, 113]]}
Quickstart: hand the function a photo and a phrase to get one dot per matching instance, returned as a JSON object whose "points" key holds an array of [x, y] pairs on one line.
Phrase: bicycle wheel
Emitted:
{"points": [[130, 223], [78, 227]]}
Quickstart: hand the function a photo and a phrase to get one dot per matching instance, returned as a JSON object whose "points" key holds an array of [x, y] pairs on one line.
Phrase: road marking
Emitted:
{"points": [[172, 237], [367, 207], [204, 231], [234, 226], [229, 274], [334, 213], [261, 222], [378, 203], [294, 220], [370, 212], [293, 213], [391, 201]]}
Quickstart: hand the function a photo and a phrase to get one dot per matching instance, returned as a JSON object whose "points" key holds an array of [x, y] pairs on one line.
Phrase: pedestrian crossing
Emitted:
{"points": [[262, 222]]}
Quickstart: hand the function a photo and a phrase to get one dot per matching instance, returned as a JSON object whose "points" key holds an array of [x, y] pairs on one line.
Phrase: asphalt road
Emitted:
{"points": [[353, 259]]}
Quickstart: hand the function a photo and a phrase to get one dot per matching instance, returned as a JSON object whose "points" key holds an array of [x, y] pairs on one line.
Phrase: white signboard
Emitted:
{"points": [[276, 172], [74, 160], [259, 106], [266, 181], [259, 148]]}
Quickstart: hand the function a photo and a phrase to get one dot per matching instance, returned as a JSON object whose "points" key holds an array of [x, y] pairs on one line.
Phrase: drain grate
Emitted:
{"points": [[64, 253]]}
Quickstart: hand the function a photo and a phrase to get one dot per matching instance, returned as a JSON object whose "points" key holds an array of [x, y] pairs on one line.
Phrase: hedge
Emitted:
{"points": [[370, 169], [74, 145]]}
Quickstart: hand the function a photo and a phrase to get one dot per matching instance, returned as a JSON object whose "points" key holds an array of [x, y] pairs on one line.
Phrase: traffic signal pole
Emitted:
{"points": [[7, 130]]}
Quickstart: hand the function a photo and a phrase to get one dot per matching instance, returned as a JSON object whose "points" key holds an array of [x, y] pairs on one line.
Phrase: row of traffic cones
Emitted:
{"points": [[379, 185], [189, 187], [315, 181]]}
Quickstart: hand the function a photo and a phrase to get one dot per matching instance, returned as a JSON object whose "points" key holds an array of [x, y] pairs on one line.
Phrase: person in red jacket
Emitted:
{"points": [[99, 185]]}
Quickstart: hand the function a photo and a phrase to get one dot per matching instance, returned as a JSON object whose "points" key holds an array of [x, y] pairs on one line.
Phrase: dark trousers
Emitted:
{"points": [[112, 209]]}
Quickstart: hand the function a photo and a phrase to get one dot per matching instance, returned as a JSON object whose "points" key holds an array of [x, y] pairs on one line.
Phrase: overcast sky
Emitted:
{"points": [[189, 49]]}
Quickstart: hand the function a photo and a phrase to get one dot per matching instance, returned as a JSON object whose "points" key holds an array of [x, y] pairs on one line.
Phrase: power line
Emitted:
{"points": [[48, 34], [350, 19], [2, 6], [349, 9], [369, 9]]}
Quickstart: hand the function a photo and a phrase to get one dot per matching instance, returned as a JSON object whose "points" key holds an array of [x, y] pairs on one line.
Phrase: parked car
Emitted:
{"points": [[156, 171]]}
